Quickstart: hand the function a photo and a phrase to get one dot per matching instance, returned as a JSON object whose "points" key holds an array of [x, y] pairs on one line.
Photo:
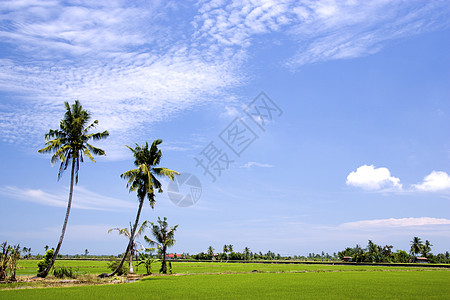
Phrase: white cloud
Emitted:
{"points": [[371, 178], [391, 223], [252, 164], [133, 65], [434, 182], [82, 199]]}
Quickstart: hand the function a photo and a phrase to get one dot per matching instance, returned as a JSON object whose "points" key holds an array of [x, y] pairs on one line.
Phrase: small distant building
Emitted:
{"points": [[421, 260], [347, 258], [172, 256]]}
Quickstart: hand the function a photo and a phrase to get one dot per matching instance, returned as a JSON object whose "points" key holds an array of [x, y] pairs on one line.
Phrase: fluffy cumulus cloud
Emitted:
{"points": [[371, 178], [434, 182]]}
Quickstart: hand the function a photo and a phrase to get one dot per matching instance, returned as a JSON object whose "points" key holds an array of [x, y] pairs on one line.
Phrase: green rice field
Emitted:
{"points": [[251, 281]]}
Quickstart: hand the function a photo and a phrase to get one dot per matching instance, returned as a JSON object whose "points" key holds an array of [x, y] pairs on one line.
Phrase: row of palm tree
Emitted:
{"points": [[418, 247], [71, 142], [163, 239]]}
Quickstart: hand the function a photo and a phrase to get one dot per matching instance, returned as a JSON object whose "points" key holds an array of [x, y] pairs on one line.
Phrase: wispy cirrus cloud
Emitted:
{"points": [[320, 30], [252, 164], [395, 223], [134, 65], [85, 199]]}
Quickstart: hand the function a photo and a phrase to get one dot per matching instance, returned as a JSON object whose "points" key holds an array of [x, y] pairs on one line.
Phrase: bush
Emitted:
{"points": [[43, 263], [64, 272], [9, 255], [114, 263]]}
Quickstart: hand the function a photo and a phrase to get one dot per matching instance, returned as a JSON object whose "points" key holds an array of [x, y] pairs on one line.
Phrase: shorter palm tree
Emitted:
{"points": [[127, 233], [164, 238], [225, 251], [426, 249], [211, 252], [247, 253]]}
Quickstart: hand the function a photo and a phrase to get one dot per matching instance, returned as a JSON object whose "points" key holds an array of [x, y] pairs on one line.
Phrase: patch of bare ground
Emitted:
{"points": [[31, 282]]}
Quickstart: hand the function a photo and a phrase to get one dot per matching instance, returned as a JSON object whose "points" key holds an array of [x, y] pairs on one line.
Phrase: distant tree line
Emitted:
{"points": [[420, 251]]}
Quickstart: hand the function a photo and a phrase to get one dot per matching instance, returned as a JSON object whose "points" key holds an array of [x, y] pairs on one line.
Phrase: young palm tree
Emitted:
{"points": [[164, 238], [416, 246], [127, 233], [142, 180], [69, 143]]}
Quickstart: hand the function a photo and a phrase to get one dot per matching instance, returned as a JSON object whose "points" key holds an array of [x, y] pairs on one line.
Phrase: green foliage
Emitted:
{"points": [[366, 284], [401, 256], [201, 256], [147, 260], [416, 246], [43, 263], [68, 144], [164, 238], [62, 272], [114, 264], [9, 255], [142, 180], [375, 254]]}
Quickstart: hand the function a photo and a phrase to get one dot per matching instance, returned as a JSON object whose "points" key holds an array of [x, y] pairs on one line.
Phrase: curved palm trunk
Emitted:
{"points": [[44, 273], [130, 243]]}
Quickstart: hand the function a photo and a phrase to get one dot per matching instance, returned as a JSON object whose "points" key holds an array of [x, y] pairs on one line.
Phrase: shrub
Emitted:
{"points": [[9, 255], [114, 263], [43, 263], [64, 272]]}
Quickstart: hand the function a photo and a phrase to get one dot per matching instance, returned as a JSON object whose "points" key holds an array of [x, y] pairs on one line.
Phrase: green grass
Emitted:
{"points": [[29, 267], [394, 284]]}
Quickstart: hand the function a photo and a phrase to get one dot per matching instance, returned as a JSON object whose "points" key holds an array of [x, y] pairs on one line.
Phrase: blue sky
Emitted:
{"points": [[359, 148]]}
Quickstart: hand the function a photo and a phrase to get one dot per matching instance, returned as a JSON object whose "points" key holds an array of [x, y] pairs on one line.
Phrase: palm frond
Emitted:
{"points": [[69, 142], [150, 241], [142, 228], [98, 135], [165, 172], [95, 150], [93, 124], [88, 154]]}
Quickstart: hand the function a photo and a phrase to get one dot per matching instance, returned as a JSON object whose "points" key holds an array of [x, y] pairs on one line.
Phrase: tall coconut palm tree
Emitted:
{"points": [[416, 246], [127, 233], [164, 238], [69, 143], [142, 180]]}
